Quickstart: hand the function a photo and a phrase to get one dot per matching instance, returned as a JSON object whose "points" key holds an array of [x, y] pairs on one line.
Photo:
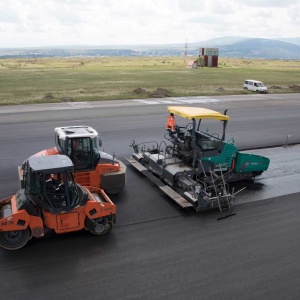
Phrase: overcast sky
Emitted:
{"points": [[26, 23]]}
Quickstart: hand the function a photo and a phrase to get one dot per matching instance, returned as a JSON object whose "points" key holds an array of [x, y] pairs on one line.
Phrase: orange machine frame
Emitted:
{"points": [[60, 223]]}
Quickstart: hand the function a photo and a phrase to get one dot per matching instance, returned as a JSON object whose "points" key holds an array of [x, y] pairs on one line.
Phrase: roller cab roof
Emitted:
{"points": [[196, 113], [76, 132], [50, 164]]}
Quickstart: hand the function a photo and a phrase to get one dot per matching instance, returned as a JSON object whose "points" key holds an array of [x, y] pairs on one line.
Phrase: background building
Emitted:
{"points": [[210, 56]]}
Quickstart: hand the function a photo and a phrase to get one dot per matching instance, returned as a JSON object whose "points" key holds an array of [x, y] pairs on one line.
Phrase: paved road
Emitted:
{"points": [[157, 250], [253, 255]]}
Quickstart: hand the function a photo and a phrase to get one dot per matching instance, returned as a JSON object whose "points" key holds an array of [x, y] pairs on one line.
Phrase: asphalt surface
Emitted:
{"points": [[157, 250], [253, 255]]}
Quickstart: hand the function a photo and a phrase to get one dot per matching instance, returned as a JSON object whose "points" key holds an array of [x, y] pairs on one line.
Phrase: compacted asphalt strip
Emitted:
{"points": [[158, 250]]}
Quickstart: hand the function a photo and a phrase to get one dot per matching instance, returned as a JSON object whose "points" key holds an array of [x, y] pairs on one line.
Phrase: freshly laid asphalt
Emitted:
{"points": [[252, 255], [157, 250]]}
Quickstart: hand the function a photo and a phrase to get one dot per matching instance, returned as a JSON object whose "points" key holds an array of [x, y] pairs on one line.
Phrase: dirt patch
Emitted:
{"points": [[140, 91], [48, 96], [295, 87], [160, 93], [220, 89], [275, 87]]}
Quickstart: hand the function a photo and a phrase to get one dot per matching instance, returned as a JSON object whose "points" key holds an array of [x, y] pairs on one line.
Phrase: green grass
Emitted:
{"points": [[24, 81]]}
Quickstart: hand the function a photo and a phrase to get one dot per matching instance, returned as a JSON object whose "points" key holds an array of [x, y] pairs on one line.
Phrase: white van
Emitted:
{"points": [[255, 86]]}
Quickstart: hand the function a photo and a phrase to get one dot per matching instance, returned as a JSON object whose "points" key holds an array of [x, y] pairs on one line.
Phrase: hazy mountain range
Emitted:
{"points": [[281, 48]]}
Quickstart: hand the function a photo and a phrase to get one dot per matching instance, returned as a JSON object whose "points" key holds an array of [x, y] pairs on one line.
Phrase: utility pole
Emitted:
{"points": [[185, 51]]}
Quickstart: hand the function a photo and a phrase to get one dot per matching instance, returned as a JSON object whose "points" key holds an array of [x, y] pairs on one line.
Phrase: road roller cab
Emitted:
{"points": [[51, 199], [91, 166]]}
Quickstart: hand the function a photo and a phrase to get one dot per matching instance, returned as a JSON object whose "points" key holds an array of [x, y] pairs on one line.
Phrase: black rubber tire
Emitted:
{"points": [[14, 240], [113, 191], [108, 222]]}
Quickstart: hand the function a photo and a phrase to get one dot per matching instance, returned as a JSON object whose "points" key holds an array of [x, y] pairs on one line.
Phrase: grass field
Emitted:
{"points": [[24, 81]]}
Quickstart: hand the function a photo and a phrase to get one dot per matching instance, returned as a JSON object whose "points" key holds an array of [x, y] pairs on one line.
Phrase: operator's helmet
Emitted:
{"points": [[55, 177], [76, 144]]}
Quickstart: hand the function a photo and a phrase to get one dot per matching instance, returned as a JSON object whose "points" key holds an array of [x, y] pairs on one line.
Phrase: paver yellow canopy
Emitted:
{"points": [[196, 166], [196, 113]]}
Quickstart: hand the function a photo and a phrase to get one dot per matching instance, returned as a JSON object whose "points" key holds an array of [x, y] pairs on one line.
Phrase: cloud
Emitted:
{"points": [[103, 22], [271, 3], [9, 12]]}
